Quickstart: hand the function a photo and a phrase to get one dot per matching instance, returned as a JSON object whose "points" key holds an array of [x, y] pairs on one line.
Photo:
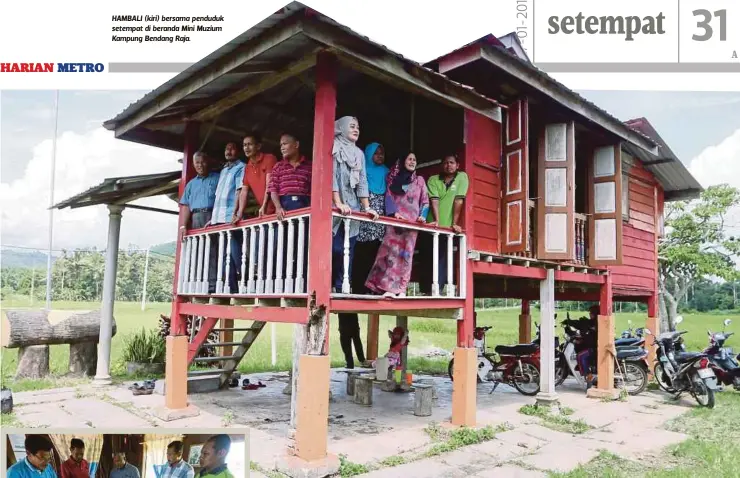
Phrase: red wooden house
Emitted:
{"points": [[565, 201]]}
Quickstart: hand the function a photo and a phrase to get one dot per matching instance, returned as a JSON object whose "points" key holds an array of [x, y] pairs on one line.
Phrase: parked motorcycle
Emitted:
{"points": [[721, 358], [630, 364], [631, 336], [678, 371], [515, 365]]}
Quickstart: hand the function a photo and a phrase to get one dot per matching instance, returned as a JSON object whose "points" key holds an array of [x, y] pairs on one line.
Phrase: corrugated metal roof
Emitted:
{"points": [[120, 189]]}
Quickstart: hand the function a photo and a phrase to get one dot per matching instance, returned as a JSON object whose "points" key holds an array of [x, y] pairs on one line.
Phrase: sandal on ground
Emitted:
{"points": [[261, 385], [251, 386]]}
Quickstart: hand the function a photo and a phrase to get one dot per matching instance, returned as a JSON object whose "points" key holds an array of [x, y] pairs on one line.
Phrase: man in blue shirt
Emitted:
{"points": [[224, 209], [198, 200], [37, 463], [123, 469]]}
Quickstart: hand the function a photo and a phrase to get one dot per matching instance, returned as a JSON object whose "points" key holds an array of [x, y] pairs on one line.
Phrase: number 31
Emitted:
{"points": [[704, 24]]}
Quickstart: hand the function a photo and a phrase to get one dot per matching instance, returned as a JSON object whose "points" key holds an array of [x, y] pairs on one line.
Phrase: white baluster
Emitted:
{"points": [[345, 256], [289, 284], [227, 286], [252, 258], [199, 264], [242, 285], [192, 264], [260, 262], [279, 265], [220, 273], [463, 265], [269, 282], [300, 284], [207, 265], [183, 267], [435, 265], [450, 268]]}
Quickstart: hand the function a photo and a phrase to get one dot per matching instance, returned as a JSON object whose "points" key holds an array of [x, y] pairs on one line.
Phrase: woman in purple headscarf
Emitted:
{"points": [[406, 199]]}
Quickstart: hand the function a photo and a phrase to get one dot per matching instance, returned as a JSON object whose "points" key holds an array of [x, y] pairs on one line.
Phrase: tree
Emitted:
{"points": [[696, 246]]}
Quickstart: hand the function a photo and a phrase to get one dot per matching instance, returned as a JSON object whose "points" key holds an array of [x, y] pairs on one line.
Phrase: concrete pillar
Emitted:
{"points": [[373, 329], [653, 325], [605, 350], [464, 387], [176, 372], [525, 324], [547, 395], [102, 375]]}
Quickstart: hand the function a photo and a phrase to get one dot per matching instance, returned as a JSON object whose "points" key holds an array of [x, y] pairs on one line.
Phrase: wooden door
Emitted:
{"points": [[605, 206], [556, 194], [515, 191]]}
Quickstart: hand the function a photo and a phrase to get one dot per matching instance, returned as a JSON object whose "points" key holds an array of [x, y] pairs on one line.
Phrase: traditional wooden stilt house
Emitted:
{"points": [[565, 201]]}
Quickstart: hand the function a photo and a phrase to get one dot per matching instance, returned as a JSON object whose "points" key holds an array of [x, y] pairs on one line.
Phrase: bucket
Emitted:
{"points": [[381, 368]]}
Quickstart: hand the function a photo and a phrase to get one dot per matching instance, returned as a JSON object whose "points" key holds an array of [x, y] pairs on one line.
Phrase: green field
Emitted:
{"points": [[424, 335]]}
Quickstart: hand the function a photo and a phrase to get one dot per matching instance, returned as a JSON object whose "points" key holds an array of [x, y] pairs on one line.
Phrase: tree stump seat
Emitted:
{"points": [[32, 331]]}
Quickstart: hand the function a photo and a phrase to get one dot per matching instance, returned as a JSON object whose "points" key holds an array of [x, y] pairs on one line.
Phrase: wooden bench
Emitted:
{"points": [[32, 331]]}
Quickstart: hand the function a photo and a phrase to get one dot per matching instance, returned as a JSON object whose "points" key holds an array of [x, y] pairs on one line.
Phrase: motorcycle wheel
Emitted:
{"points": [[704, 395], [661, 377], [534, 375], [639, 383], [561, 373], [451, 366]]}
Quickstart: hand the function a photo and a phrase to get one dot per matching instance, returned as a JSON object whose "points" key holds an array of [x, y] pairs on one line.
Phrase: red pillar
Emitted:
{"points": [[192, 136], [319, 254]]}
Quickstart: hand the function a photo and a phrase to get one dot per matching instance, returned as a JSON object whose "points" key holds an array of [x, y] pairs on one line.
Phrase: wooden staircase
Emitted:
{"points": [[228, 363]]}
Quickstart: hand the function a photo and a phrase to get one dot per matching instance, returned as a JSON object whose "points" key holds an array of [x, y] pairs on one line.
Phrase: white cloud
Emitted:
{"points": [[83, 161], [720, 164]]}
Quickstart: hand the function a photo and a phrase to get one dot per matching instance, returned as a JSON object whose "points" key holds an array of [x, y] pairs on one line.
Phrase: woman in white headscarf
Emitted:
{"points": [[349, 192]]}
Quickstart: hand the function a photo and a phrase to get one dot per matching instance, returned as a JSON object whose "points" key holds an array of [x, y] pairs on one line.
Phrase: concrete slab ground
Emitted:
{"points": [[387, 433]]}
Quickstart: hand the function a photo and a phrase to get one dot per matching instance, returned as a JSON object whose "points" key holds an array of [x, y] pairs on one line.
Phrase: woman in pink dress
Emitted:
{"points": [[406, 199]]}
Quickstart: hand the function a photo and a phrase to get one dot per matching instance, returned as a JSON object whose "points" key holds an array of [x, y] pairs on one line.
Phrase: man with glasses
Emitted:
{"points": [[121, 468], [37, 463]]}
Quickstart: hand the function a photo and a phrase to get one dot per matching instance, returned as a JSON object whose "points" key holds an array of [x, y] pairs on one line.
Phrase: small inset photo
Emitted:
{"points": [[125, 455]]}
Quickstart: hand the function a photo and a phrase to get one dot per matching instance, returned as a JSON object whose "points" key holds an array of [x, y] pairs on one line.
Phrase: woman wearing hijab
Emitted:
{"points": [[369, 238], [406, 199], [349, 192]]}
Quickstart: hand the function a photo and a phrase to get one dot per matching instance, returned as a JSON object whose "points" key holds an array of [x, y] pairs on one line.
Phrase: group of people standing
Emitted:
{"points": [[381, 256], [39, 449], [361, 183]]}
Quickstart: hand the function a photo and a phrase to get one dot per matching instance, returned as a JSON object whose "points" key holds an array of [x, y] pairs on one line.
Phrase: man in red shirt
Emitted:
{"points": [[256, 177], [290, 181], [76, 466]]}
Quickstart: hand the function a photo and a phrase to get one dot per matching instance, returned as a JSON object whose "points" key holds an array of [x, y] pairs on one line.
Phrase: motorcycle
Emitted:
{"points": [[630, 364], [631, 336], [515, 365], [723, 363], [678, 371]]}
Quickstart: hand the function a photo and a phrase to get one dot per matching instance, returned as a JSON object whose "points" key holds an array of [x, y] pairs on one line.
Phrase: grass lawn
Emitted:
{"points": [[712, 451], [424, 335]]}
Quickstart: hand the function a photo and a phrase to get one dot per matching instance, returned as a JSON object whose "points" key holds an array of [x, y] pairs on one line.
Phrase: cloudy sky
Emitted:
{"points": [[703, 129]]}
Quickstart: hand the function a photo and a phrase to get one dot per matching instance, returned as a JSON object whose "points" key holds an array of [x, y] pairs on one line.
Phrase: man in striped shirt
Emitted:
{"points": [[224, 209], [290, 181], [176, 466]]}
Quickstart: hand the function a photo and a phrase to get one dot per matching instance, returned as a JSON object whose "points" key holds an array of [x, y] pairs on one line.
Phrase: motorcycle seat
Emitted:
{"points": [[687, 356], [517, 350], [624, 342], [626, 352]]}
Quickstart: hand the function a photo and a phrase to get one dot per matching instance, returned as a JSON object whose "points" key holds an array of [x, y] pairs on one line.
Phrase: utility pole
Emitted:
{"points": [[146, 275], [33, 281], [51, 199]]}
